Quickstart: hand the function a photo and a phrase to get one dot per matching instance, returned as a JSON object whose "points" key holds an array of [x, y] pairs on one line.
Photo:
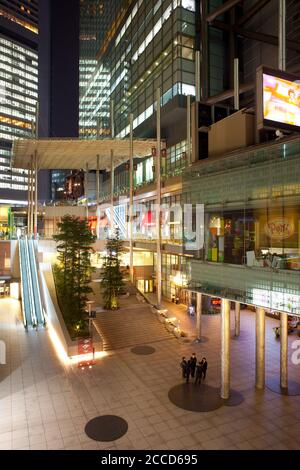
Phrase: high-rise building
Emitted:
{"points": [[18, 89], [96, 17], [58, 80]]}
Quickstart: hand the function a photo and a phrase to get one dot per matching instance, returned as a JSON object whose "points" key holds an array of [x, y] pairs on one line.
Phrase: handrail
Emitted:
{"points": [[22, 290], [31, 297], [35, 285]]}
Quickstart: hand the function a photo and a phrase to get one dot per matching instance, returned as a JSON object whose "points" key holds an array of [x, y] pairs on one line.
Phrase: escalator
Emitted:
{"points": [[33, 312]]}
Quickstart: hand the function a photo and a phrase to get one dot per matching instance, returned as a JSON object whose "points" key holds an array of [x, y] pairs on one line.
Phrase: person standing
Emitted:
{"points": [[193, 361], [183, 365], [204, 367], [188, 372], [198, 373]]}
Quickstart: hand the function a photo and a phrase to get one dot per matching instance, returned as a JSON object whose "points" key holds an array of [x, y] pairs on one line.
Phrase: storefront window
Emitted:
{"points": [[268, 238]]}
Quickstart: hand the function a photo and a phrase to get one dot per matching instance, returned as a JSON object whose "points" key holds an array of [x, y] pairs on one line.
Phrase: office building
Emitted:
{"points": [[18, 89], [58, 81]]}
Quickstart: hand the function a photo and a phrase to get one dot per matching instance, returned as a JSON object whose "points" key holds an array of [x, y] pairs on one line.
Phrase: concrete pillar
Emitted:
{"points": [[131, 189], [282, 35], [260, 348], [237, 319], [35, 194], [112, 188], [86, 191], [198, 313], [31, 195], [225, 349], [283, 350], [98, 197], [188, 129], [236, 95], [189, 297], [158, 200], [28, 199]]}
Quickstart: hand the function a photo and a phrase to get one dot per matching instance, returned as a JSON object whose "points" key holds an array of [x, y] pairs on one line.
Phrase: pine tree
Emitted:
{"points": [[112, 278]]}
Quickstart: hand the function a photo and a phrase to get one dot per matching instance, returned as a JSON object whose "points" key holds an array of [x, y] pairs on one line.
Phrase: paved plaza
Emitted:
{"points": [[46, 404]]}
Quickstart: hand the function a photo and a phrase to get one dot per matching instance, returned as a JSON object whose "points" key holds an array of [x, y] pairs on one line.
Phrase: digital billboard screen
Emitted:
{"points": [[281, 100], [278, 100]]}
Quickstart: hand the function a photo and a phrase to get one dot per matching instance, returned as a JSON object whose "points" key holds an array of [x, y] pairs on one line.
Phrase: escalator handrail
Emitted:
{"points": [[35, 281], [31, 296], [22, 280]]}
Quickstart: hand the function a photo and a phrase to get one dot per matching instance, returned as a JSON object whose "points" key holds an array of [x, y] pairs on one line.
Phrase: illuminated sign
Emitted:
{"points": [[279, 228], [279, 301], [277, 99]]}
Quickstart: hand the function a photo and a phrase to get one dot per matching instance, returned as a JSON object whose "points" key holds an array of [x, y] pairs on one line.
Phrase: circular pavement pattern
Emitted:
{"points": [[273, 384], [143, 350], [195, 397], [106, 428]]}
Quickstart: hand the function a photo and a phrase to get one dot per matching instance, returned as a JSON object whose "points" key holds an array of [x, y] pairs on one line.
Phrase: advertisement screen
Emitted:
{"points": [[281, 100]]}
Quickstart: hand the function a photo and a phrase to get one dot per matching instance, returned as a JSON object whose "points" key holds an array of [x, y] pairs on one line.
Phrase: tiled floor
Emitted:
{"points": [[45, 404]]}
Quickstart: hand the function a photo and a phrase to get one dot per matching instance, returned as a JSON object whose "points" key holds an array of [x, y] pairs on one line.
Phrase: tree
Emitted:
{"points": [[73, 271], [112, 278]]}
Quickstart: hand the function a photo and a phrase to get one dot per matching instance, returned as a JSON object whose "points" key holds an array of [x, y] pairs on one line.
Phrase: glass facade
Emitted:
{"points": [[18, 97], [251, 207]]}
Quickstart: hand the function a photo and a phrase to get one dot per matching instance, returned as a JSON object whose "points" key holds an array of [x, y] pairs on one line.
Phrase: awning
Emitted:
{"points": [[68, 154]]}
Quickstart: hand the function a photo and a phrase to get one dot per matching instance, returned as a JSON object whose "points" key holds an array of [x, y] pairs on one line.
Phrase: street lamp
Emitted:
{"points": [[89, 304]]}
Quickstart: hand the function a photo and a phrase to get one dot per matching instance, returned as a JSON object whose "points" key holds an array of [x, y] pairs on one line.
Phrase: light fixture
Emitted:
{"points": [[156, 63], [149, 71], [165, 53]]}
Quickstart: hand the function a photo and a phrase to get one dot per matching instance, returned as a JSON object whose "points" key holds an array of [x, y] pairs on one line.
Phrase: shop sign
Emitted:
{"points": [[279, 228]]}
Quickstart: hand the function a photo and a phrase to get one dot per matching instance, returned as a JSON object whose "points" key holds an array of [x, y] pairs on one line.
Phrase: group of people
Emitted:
{"points": [[193, 369]]}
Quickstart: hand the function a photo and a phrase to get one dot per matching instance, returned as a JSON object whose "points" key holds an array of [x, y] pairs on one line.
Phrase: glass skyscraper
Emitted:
{"points": [[18, 89]]}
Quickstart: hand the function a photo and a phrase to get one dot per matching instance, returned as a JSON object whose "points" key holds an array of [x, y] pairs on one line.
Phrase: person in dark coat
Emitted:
{"points": [[188, 371], [193, 361], [204, 367], [198, 373], [183, 365]]}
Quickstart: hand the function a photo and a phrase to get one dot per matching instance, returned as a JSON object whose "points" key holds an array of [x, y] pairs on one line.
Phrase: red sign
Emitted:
{"points": [[85, 352]]}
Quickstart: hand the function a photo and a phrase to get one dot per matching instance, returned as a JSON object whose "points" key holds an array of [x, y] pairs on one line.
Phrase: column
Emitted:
{"points": [[282, 35], [260, 348], [189, 297], [31, 194], [35, 194], [28, 199], [237, 319], [225, 349], [131, 198], [283, 350], [198, 318], [112, 187], [158, 200], [98, 197], [236, 84], [86, 190], [188, 128]]}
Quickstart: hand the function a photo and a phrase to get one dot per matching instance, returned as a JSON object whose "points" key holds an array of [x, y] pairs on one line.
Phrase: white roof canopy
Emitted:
{"points": [[69, 154]]}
